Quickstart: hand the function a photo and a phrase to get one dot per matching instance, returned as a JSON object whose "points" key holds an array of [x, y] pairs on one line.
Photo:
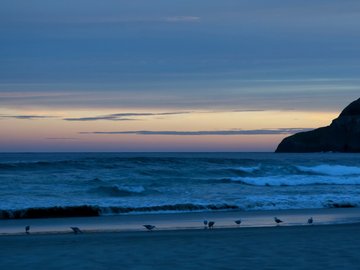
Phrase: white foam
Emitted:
{"points": [[277, 202], [297, 180], [135, 189], [336, 170], [249, 169]]}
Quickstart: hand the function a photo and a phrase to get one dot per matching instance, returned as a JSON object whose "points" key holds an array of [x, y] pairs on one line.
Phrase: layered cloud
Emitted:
{"points": [[26, 117], [121, 116], [62, 138], [205, 132], [182, 19]]}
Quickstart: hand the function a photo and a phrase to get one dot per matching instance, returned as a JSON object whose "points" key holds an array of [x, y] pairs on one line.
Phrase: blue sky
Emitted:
{"points": [[135, 45], [178, 55]]}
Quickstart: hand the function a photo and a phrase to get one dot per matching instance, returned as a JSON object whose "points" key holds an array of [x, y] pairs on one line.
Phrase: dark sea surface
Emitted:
{"points": [[82, 184]]}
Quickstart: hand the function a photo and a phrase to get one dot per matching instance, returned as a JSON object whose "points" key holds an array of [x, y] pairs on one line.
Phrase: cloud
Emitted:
{"points": [[98, 118], [26, 117], [56, 138], [248, 110], [84, 20], [182, 19], [121, 116], [202, 133]]}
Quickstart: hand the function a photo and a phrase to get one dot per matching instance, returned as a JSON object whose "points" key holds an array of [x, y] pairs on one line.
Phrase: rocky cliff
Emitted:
{"points": [[343, 135]]}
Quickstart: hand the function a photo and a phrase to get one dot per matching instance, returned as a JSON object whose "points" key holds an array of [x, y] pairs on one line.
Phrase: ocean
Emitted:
{"points": [[90, 184]]}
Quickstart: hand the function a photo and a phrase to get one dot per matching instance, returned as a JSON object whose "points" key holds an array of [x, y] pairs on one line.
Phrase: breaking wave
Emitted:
{"points": [[296, 180], [51, 212], [39, 164], [332, 170], [92, 211], [250, 169], [118, 191], [116, 183]]}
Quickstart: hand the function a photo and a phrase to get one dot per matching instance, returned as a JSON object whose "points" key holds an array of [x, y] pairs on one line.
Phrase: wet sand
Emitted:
{"points": [[181, 242], [292, 247], [181, 221]]}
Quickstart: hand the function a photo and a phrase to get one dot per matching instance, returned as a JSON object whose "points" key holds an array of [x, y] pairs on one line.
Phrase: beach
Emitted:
{"points": [[110, 196], [166, 135], [181, 242], [292, 247], [180, 221]]}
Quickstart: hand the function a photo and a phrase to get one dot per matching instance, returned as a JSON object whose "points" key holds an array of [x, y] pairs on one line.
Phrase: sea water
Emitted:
{"points": [[123, 183]]}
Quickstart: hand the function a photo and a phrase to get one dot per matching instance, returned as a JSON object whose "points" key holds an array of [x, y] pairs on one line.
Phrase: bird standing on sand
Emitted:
{"points": [[76, 230], [211, 224], [27, 229], [238, 222], [205, 223], [310, 220], [277, 220], [149, 227]]}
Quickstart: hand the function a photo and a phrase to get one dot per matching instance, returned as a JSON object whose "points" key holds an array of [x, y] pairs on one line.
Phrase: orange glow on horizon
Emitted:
{"points": [[56, 134]]}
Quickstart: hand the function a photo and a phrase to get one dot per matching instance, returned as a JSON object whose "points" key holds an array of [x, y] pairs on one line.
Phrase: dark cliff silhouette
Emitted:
{"points": [[343, 135]]}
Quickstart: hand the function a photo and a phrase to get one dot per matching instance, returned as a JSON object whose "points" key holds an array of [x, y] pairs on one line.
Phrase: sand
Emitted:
{"points": [[296, 247], [225, 247], [181, 221]]}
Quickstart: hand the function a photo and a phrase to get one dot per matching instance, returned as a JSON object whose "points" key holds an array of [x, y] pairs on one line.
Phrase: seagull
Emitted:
{"points": [[76, 230], [149, 227], [238, 222], [27, 229], [211, 224], [278, 221], [206, 222], [310, 220]]}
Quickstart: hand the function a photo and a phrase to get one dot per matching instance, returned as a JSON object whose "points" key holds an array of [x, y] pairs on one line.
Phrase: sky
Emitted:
{"points": [[204, 75]]}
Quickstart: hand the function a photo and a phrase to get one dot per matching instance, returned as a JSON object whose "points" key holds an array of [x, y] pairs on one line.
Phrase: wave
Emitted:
{"points": [[95, 181], [281, 202], [295, 180], [118, 191], [38, 164], [51, 212], [343, 204], [274, 170], [287, 171], [114, 161], [84, 163], [332, 170], [92, 211], [187, 207], [249, 169], [323, 169]]}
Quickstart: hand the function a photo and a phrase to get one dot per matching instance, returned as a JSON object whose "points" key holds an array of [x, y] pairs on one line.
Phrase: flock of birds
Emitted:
{"points": [[210, 224], [207, 224]]}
